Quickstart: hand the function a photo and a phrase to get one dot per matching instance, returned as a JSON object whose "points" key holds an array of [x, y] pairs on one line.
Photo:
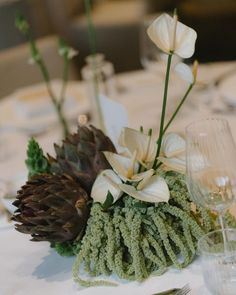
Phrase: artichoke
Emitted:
{"points": [[81, 156], [51, 208]]}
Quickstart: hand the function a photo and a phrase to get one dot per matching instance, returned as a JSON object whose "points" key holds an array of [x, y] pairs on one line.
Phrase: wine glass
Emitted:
{"points": [[211, 165]]}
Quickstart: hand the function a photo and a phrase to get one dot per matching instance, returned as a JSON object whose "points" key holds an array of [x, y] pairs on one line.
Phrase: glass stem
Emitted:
{"points": [[225, 240]]}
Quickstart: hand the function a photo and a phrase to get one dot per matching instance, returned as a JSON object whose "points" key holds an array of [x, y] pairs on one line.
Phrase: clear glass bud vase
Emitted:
{"points": [[99, 76]]}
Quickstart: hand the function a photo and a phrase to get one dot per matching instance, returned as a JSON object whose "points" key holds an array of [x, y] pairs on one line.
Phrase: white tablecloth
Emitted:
{"points": [[33, 268]]}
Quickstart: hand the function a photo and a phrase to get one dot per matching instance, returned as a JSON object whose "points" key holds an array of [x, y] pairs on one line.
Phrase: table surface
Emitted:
{"points": [[33, 268]]}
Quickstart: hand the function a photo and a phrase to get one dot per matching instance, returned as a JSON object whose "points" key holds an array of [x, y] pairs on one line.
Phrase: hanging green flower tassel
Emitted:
{"points": [[135, 241]]}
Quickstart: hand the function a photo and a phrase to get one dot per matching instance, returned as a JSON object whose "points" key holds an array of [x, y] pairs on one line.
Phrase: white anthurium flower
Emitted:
{"points": [[177, 163], [186, 73], [152, 189], [123, 150], [172, 36], [135, 141], [174, 158], [172, 144], [173, 152], [126, 168], [143, 175], [107, 181]]}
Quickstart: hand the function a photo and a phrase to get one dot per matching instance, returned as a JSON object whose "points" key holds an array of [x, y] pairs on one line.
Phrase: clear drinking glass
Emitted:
{"points": [[211, 165], [218, 266]]}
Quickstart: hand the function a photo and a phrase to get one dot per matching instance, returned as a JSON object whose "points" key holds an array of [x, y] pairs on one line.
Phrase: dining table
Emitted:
{"points": [[28, 267]]}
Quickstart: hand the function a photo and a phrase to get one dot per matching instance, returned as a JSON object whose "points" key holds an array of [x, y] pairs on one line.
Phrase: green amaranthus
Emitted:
{"points": [[135, 239]]}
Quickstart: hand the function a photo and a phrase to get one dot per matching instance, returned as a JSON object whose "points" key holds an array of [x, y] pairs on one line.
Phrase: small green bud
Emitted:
{"points": [[22, 24], [65, 51]]}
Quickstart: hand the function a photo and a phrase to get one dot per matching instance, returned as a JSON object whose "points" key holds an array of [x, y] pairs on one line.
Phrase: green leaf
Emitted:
{"points": [[108, 202]]}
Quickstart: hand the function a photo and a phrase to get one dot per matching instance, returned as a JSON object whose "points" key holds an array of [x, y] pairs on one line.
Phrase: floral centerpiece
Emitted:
{"points": [[127, 213]]}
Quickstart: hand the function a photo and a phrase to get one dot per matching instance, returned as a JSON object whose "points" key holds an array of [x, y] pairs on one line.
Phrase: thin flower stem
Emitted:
{"points": [[178, 107], [163, 108], [64, 81], [92, 44], [47, 81], [91, 29], [57, 105], [158, 165], [23, 26], [175, 113]]}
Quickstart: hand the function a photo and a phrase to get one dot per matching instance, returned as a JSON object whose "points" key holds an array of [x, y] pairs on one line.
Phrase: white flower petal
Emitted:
{"points": [[161, 33], [72, 53], [107, 181], [155, 190], [172, 145], [145, 179], [135, 140], [141, 176], [177, 164], [121, 139], [185, 72], [185, 41], [120, 164], [124, 152]]}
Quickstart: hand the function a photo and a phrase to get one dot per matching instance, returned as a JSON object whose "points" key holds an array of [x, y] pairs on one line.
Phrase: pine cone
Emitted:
{"points": [[51, 208], [81, 156]]}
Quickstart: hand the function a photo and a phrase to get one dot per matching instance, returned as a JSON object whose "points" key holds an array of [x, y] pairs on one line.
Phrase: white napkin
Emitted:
{"points": [[227, 90], [115, 117], [34, 101]]}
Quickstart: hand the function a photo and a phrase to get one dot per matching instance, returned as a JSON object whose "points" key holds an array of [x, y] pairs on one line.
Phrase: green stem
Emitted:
{"points": [[175, 113], [64, 81], [92, 45], [91, 29], [57, 105], [62, 120], [23, 26], [178, 107], [163, 108], [47, 80]]}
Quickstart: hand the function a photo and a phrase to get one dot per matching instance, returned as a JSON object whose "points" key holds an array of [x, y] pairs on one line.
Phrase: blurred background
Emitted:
{"points": [[118, 24]]}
